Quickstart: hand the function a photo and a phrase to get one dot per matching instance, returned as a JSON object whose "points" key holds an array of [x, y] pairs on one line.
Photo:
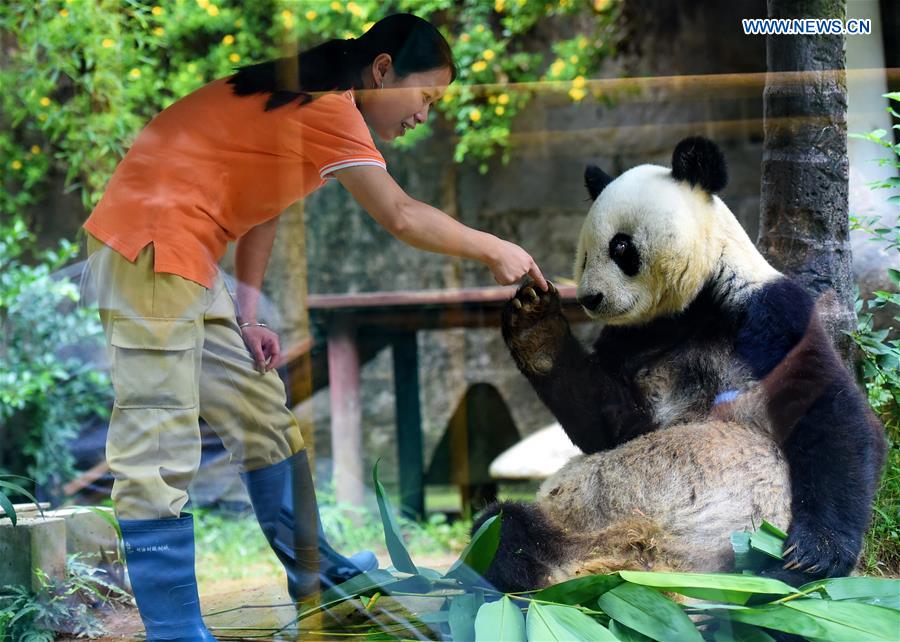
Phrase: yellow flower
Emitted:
{"points": [[447, 97], [288, 18], [465, 37], [203, 3], [212, 10], [64, 13], [475, 115], [499, 111], [239, 23], [228, 40], [45, 102], [492, 99], [503, 99], [578, 82], [573, 59], [368, 26], [16, 165], [157, 11], [35, 149], [582, 42], [158, 31], [310, 15], [107, 43], [499, 5], [577, 94], [337, 6], [234, 57], [135, 73], [479, 29], [42, 117], [488, 54], [355, 9], [557, 67], [479, 66], [600, 5]]}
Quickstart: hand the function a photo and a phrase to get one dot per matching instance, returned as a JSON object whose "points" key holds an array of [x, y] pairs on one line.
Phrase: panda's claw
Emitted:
{"points": [[532, 294], [517, 304], [790, 549]]}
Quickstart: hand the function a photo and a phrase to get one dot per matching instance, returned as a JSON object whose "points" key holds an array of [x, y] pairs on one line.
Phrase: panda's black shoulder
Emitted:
{"points": [[773, 320]]}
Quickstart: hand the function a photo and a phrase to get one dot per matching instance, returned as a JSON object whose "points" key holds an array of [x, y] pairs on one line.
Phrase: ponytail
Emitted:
{"points": [[414, 45]]}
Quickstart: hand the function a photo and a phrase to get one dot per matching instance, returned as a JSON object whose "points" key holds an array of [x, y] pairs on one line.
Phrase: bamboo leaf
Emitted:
{"points": [[626, 634], [18, 489], [478, 555], [579, 590], [396, 549], [500, 621], [715, 587], [870, 590], [462, 612], [555, 623], [645, 610], [822, 619], [8, 509], [737, 632], [767, 542]]}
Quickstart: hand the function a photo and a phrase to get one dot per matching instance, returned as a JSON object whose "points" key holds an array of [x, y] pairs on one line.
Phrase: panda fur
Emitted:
{"points": [[712, 398]]}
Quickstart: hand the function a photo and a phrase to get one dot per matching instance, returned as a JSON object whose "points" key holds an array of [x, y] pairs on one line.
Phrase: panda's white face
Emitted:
{"points": [[646, 247]]}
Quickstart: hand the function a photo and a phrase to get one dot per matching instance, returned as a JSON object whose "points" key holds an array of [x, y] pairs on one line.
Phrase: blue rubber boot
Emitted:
{"points": [[284, 500], [159, 554]]}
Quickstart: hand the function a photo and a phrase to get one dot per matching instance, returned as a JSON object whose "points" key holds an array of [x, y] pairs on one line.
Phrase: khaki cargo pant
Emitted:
{"points": [[176, 354]]}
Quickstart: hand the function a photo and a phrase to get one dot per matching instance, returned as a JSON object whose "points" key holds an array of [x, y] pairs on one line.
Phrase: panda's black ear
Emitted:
{"points": [[595, 179], [699, 161]]}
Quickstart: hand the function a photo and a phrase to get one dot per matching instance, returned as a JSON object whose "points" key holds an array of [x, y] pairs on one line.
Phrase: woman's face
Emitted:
{"points": [[404, 102]]}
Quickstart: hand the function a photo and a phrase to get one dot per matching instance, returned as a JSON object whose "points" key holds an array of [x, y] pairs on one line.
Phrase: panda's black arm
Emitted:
{"points": [[596, 408], [836, 450]]}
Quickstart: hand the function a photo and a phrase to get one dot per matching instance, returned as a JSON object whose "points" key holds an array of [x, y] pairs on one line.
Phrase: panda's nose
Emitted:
{"points": [[591, 301]]}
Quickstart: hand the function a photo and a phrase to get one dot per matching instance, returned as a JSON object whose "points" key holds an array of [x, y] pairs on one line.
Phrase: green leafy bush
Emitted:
{"points": [[67, 607], [47, 386], [880, 364]]}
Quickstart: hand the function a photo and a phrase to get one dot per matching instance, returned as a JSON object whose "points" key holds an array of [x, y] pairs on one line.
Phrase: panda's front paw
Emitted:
{"points": [[813, 551], [534, 327]]}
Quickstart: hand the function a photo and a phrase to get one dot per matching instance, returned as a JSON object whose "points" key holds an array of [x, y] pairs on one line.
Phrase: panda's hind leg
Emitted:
{"points": [[531, 548]]}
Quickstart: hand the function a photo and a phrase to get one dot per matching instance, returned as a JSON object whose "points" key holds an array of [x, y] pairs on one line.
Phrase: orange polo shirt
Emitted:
{"points": [[213, 165]]}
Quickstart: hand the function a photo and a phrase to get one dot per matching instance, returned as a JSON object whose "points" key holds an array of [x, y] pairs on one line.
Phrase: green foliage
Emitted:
{"points": [[47, 389], [8, 488], [880, 366], [89, 75], [67, 607]]}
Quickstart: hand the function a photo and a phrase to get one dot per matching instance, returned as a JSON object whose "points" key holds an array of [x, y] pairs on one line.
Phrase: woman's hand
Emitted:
{"points": [[262, 344], [509, 263]]}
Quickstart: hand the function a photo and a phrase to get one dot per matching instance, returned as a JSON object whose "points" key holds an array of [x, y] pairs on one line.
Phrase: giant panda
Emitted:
{"points": [[712, 398]]}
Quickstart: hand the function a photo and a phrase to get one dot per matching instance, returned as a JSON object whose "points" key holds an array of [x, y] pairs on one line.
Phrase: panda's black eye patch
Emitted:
{"points": [[624, 253]]}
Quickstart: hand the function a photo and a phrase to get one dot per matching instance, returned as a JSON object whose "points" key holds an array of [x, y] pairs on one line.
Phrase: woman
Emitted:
{"points": [[217, 166]]}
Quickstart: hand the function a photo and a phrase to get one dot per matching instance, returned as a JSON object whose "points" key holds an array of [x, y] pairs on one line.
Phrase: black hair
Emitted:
{"points": [[413, 44]]}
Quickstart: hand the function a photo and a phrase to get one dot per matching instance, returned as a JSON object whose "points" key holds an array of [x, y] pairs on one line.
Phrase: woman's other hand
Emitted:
{"points": [[262, 344]]}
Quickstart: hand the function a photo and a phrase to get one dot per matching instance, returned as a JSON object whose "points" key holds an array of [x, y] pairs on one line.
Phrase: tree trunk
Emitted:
{"points": [[804, 226]]}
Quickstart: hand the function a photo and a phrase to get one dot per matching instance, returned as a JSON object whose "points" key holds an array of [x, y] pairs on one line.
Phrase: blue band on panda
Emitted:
{"points": [[725, 397]]}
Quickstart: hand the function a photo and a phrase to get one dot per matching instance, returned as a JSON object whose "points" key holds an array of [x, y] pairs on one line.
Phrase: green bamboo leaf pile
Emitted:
{"points": [[627, 606]]}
